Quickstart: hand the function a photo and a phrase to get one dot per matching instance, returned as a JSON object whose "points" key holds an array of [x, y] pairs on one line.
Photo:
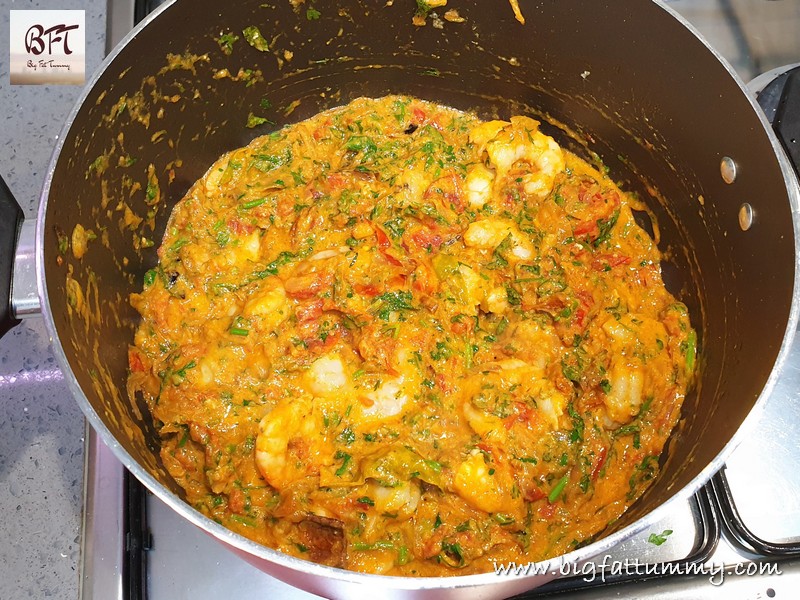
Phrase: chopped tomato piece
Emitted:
{"points": [[135, 361], [599, 462], [240, 228], [534, 494], [369, 289], [309, 311], [586, 228], [615, 259], [383, 246]]}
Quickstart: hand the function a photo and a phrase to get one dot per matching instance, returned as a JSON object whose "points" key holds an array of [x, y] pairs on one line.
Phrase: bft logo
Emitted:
{"points": [[35, 38], [47, 46]]}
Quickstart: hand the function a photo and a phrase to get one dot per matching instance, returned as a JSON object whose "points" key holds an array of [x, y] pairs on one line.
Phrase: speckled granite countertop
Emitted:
{"points": [[41, 427]]}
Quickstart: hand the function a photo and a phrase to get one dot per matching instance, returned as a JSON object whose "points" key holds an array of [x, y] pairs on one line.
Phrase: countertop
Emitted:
{"points": [[41, 427]]}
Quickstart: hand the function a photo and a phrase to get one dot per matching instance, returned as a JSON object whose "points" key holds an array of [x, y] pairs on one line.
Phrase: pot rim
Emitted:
{"points": [[542, 568]]}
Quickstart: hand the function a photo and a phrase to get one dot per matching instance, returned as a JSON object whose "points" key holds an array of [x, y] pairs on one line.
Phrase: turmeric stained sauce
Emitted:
{"points": [[394, 338]]}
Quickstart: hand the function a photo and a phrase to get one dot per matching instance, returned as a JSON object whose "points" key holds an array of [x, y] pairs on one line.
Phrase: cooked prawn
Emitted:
{"points": [[291, 444], [520, 141], [486, 484]]}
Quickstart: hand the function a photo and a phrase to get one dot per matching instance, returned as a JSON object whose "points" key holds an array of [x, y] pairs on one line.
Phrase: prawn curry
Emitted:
{"points": [[397, 339]]}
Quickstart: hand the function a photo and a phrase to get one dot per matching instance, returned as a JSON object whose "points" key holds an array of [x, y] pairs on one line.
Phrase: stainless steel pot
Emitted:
{"points": [[625, 79]]}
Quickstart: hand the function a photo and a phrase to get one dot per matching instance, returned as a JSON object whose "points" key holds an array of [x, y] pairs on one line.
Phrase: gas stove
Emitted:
{"points": [[738, 536]]}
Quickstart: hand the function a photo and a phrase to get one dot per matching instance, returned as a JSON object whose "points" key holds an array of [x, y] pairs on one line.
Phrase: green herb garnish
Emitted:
{"points": [[452, 554], [556, 492], [226, 42], [578, 426], [255, 39], [246, 521], [254, 121], [150, 277], [659, 538], [605, 226], [691, 349], [253, 203], [503, 519], [345, 458], [347, 436], [390, 302]]}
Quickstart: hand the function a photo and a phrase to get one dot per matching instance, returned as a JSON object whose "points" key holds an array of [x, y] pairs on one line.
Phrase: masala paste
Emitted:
{"points": [[397, 339]]}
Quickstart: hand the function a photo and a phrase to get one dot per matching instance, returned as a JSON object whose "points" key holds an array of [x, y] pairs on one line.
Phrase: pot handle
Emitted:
{"points": [[780, 100], [10, 221]]}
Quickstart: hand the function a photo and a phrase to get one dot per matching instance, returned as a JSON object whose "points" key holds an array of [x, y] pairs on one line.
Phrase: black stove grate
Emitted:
{"points": [[736, 529], [707, 538]]}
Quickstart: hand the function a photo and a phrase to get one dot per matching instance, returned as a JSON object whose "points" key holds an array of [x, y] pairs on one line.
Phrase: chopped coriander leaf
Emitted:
{"points": [[605, 226], [254, 121], [345, 458], [347, 436], [659, 538], [452, 554], [390, 302], [255, 39], [514, 297], [379, 545], [284, 258], [501, 326], [503, 519], [184, 439], [226, 41], [578, 426], [498, 256], [150, 277], [253, 203], [361, 144], [691, 349], [558, 489], [246, 521]]}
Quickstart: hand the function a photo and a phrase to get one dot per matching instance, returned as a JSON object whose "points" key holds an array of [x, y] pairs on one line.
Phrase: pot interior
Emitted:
{"points": [[621, 80]]}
